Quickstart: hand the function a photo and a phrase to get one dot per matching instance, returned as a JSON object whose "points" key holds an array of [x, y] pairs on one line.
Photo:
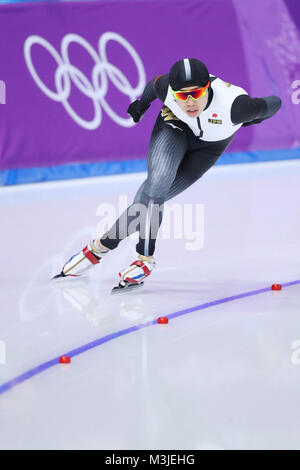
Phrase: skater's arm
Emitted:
{"points": [[154, 89], [149, 94], [249, 110]]}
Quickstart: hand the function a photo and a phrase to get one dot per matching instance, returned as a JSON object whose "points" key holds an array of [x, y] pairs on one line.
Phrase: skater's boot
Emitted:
{"points": [[83, 261], [134, 275]]}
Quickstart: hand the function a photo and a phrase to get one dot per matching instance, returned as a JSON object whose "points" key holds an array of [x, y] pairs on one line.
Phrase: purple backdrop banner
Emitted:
{"points": [[68, 72]]}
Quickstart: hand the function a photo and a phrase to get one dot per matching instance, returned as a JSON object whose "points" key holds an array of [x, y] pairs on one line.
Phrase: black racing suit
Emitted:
{"points": [[176, 159]]}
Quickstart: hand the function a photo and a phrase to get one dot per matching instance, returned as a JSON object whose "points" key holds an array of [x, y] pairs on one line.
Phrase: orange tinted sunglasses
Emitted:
{"points": [[194, 94]]}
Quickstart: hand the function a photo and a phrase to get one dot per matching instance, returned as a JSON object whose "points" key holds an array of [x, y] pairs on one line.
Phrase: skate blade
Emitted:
{"points": [[126, 287], [59, 276]]}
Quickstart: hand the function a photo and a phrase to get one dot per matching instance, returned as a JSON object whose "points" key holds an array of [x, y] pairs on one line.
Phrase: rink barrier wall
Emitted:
{"points": [[88, 170], [69, 70]]}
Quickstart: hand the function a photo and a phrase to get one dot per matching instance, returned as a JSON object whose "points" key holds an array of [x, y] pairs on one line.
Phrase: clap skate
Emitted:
{"points": [[82, 262], [133, 277]]}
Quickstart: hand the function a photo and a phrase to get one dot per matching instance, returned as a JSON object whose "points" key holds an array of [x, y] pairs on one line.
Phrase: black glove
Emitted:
{"points": [[256, 121], [137, 109]]}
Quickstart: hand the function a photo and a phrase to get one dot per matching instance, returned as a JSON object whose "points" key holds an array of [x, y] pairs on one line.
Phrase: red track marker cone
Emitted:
{"points": [[65, 360], [163, 320], [276, 287]]}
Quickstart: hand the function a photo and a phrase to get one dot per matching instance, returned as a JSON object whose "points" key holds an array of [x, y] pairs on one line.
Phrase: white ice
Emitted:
{"points": [[226, 377]]}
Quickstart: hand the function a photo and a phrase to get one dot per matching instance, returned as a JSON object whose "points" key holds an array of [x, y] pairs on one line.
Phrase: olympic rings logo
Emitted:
{"points": [[96, 88]]}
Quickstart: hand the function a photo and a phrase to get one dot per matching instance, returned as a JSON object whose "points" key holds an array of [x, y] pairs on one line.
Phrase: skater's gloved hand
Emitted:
{"points": [[137, 109], [256, 121]]}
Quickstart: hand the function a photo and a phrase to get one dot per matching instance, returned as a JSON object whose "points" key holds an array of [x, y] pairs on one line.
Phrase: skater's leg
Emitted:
{"points": [[192, 167], [195, 164], [166, 151], [101, 246]]}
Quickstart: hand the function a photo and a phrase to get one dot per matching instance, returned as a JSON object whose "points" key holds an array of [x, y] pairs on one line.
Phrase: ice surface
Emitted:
{"points": [[225, 377]]}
